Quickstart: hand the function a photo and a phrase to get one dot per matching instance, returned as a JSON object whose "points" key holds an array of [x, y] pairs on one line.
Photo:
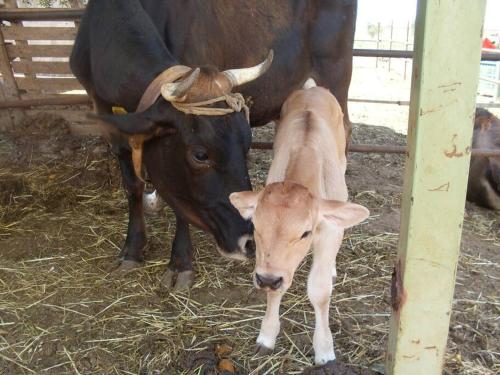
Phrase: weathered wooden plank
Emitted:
{"points": [[13, 4], [48, 84], [28, 51], [32, 67], [445, 76], [61, 99], [76, 4], [19, 32], [6, 70]]}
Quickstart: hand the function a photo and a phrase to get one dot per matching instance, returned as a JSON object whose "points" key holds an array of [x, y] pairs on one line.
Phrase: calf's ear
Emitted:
{"points": [[343, 214], [245, 202]]}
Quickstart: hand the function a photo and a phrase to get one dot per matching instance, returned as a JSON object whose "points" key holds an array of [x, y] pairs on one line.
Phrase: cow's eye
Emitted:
{"points": [[305, 234], [198, 157]]}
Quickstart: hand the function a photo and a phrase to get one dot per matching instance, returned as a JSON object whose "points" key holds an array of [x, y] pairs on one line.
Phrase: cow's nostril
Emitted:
{"points": [[268, 282], [259, 280]]}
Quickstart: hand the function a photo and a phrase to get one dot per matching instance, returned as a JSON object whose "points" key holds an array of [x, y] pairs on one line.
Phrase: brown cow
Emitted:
{"points": [[304, 203], [484, 172], [195, 161]]}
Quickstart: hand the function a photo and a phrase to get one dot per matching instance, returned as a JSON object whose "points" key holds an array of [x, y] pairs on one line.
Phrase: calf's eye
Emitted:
{"points": [[305, 234]]}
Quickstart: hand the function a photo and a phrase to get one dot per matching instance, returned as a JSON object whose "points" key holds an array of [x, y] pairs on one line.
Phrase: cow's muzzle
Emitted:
{"points": [[244, 251]]}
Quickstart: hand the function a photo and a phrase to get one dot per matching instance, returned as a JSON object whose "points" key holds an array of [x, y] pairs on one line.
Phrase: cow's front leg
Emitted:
{"points": [[179, 274], [132, 253], [270, 326], [319, 290]]}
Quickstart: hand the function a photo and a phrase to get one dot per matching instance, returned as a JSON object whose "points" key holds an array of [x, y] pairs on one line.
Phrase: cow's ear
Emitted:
{"points": [[128, 124], [343, 214], [495, 170], [151, 123], [245, 202]]}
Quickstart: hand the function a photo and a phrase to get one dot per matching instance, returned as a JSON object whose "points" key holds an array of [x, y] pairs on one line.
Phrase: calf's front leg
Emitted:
{"points": [[270, 326], [319, 290]]}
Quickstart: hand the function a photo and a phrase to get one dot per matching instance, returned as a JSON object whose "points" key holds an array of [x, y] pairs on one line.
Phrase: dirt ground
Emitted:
{"points": [[63, 219]]}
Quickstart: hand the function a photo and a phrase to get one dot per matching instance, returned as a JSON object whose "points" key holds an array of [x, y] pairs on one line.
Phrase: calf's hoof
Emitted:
{"points": [[174, 280], [262, 350]]}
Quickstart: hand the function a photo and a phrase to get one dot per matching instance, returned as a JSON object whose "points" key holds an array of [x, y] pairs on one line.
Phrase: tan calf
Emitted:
{"points": [[303, 204]]}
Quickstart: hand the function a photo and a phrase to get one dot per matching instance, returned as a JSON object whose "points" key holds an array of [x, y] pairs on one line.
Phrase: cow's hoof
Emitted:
{"points": [[174, 280], [262, 350], [127, 265]]}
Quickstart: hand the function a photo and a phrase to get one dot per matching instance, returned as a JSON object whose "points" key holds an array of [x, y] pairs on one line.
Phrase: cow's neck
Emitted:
{"points": [[134, 52], [305, 168]]}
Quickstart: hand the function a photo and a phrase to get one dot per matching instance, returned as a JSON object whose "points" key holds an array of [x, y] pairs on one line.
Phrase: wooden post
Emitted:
{"points": [[12, 4], [76, 4], [9, 89], [390, 42], [445, 76], [406, 46]]}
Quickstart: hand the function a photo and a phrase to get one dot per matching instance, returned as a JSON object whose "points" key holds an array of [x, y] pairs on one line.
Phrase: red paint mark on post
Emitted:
{"points": [[398, 294], [453, 153], [450, 85], [444, 187]]}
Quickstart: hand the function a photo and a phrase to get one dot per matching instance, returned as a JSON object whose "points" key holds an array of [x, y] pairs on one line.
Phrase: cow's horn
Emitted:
{"points": [[241, 76], [176, 90]]}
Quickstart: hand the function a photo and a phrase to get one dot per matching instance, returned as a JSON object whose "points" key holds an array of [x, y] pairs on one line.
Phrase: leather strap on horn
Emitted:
{"points": [[152, 93]]}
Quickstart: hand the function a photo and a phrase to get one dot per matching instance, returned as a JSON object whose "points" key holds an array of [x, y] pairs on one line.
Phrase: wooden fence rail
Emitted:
{"points": [[40, 14], [84, 99], [381, 149]]}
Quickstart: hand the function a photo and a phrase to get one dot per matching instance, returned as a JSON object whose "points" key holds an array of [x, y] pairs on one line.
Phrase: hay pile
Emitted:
{"points": [[63, 220]]}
